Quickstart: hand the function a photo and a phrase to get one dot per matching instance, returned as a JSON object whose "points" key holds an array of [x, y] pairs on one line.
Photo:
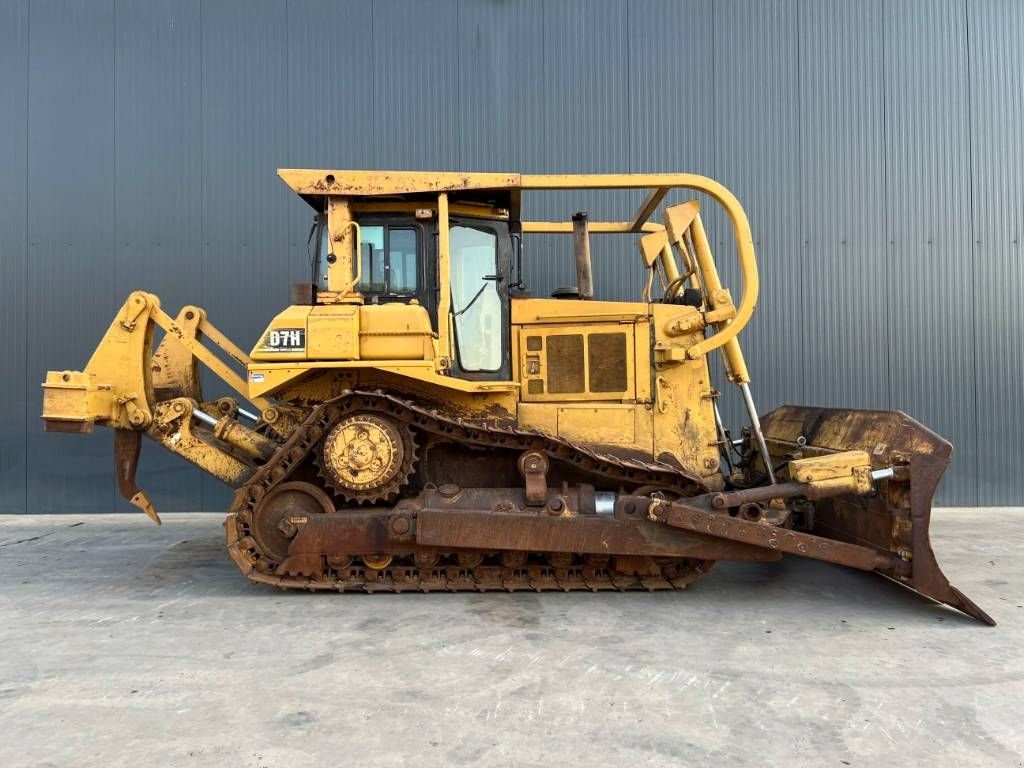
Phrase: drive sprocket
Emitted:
{"points": [[367, 457]]}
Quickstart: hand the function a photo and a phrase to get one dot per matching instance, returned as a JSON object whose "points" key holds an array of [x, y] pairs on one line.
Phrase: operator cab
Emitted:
{"points": [[399, 263]]}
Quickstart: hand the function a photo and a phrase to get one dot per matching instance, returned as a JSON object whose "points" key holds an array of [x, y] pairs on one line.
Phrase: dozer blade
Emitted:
{"points": [[895, 519]]}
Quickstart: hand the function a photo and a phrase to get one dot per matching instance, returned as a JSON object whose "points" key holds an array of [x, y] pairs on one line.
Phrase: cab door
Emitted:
{"points": [[480, 253]]}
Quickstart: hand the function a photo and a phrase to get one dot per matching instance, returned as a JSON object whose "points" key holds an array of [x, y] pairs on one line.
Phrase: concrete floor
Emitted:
{"points": [[127, 644]]}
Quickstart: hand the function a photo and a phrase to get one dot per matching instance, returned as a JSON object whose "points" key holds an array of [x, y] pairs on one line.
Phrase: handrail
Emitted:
{"points": [[718, 192]]}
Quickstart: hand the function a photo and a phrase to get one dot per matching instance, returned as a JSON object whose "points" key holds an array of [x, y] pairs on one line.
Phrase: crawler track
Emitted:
{"points": [[540, 571]]}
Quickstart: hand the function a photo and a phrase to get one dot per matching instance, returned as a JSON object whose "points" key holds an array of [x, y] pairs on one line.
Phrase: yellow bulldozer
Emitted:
{"points": [[416, 421]]}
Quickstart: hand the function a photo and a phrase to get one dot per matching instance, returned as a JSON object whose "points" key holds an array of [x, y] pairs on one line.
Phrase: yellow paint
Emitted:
{"points": [[172, 427], [74, 397], [621, 425], [845, 471], [561, 310], [668, 396], [444, 279], [374, 183], [684, 419], [664, 407], [536, 364], [418, 207], [680, 220], [115, 389], [344, 265], [332, 333], [291, 318], [395, 332], [601, 424], [268, 378]]}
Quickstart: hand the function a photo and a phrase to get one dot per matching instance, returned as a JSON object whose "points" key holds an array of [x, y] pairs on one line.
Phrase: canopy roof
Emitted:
{"points": [[372, 183], [503, 189]]}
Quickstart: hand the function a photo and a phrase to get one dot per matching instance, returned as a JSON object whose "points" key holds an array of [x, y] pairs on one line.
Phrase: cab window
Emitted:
{"points": [[390, 266], [476, 303]]}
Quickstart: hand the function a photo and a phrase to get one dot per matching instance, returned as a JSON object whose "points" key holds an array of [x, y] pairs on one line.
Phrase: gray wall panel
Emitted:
{"points": [[246, 266], [14, 418], [842, 317], [158, 175], [927, 236], [671, 89], [414, 107], [756, 111], [995, 32], [875, 145], [498, 86], [330, 114], [671, 98], [583, 127], [70, 199]]}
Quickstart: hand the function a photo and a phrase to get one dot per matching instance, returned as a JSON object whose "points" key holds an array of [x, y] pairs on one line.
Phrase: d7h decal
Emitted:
{"points": [[285, 340]]}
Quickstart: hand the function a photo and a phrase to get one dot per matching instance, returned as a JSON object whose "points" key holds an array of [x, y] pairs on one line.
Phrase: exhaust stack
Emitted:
{"points": [[581, 244]]}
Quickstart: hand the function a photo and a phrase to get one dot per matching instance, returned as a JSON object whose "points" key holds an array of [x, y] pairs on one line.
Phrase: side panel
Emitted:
{"points": [[581, 369], [285, 338], [558, 368], [603, 424]]}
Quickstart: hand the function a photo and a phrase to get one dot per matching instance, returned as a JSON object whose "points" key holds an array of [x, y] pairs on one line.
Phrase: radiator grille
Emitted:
{"points": [[565, 363], [606, 358]]}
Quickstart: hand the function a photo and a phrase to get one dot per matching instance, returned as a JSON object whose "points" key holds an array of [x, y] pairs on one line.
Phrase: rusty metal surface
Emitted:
{"points": [[692, 518], [534, 467], [127, 447], [317, 568], [926, 577], [282, 511], [893, 521], [882, 434], [452, 538], [577, 534], [67, 426], [495, 519]]}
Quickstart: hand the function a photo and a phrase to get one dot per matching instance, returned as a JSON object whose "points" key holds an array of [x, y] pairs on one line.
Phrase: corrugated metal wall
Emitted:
{"points": [[875, 143]]}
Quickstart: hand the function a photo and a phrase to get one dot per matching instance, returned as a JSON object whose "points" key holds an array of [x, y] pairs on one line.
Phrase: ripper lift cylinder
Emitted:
{"points": [[241, 437]]}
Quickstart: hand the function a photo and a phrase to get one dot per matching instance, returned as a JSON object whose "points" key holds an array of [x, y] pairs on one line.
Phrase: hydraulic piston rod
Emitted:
{"points": [[755, 425]]}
